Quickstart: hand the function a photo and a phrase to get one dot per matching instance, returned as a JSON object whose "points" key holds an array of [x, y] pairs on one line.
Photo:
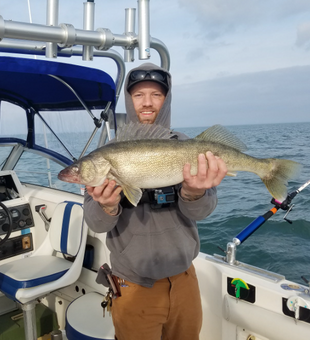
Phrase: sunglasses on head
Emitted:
{"points": [[155, 75]]}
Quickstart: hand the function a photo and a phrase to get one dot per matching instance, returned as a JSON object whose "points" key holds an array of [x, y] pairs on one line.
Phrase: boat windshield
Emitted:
{"points": [[39, 165]]}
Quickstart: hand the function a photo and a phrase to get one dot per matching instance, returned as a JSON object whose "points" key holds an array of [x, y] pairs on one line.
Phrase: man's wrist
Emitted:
{"points": [[113, 211], [188, 196]]}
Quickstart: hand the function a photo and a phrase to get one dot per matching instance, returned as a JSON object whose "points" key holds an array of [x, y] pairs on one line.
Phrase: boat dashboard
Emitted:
{"points": [[19, 225]]}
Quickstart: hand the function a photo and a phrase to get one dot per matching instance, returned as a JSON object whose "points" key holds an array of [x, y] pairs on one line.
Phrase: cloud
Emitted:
{"points": [[266, 97], [221, 17], [196, 55], [303, 36]]}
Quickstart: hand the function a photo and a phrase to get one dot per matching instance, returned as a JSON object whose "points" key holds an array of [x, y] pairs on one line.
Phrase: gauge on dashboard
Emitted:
{"points": [[21, 216], [15, 214]]}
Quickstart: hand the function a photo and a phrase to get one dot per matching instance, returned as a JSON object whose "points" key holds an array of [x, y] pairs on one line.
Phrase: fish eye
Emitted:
{"points": [[75, 168]]}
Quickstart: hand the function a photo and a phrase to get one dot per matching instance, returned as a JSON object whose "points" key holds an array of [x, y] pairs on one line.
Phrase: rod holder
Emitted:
{"points": [[144, 29], [130, 23], [231, 253], [52, 11], [88, 25]]}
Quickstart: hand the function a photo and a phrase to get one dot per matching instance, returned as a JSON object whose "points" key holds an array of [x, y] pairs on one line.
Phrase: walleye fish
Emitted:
{"points": [[145, 156]]}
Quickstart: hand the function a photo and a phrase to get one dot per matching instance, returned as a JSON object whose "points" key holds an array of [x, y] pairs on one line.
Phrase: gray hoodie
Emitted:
{"points": [[149, 244]]}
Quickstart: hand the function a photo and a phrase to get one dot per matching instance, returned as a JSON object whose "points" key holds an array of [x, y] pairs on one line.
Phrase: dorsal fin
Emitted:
{"points": [[219, 134], [136, 131]]}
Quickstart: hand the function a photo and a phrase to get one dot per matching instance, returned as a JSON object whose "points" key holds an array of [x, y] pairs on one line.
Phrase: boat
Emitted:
{"points": [[49, 259]]}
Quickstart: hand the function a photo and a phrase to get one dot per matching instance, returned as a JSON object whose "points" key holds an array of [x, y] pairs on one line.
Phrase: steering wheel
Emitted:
{"points": [[10, 225]]}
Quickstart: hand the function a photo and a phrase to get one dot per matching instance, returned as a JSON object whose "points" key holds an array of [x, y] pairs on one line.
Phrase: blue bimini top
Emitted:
{"points": [[31, 83]]}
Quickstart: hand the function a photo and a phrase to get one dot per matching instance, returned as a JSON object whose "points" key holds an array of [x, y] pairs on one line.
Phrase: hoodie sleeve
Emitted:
{"points": [[97, 219], [201, 208]]}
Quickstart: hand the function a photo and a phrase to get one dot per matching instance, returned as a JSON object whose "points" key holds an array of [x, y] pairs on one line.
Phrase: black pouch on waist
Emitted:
{"points": [[103, 273], [110, 281]]}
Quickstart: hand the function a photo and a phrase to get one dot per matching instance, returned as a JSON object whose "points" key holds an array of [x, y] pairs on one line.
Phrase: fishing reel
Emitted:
{"points": [[286, 204]]}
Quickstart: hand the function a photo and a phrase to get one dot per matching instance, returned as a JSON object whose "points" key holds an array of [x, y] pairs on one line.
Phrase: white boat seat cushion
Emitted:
{"points": [[66, 228], [31, 272], [88, 307]]}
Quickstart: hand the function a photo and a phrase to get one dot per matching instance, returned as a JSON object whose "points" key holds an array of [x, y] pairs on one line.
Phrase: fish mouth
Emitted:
{"points": [[66, 176]]}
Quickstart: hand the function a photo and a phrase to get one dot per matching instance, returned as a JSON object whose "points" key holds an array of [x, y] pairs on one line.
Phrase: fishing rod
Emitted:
{"points": [[259, 221]]}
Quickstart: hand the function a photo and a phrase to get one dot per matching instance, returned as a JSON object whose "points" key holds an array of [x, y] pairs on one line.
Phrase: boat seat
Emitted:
{"points": [[84, 319], [47, 269]]}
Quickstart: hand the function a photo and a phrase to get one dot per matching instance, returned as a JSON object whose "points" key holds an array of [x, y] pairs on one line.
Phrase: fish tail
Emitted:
{"points": [[280, 171]]}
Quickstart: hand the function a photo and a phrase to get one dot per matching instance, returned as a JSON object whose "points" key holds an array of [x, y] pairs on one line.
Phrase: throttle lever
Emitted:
{"points": [[40, 209]]}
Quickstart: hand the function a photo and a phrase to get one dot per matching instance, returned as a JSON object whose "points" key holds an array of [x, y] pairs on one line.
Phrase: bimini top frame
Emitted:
{"points": [[58, 38]]}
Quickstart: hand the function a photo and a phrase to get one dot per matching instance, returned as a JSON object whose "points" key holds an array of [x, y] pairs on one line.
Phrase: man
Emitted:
{"points": [[152, 247]]}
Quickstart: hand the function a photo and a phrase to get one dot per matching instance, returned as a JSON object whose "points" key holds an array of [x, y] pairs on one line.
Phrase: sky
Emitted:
{"points": [[232, 61]]}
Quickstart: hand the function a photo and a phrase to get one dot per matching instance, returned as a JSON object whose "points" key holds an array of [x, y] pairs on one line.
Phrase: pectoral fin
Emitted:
{"points": [[133, 194]]}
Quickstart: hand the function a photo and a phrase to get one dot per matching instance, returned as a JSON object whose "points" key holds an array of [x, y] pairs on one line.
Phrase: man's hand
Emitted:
{"points": [[208, 176], [107, 195]]}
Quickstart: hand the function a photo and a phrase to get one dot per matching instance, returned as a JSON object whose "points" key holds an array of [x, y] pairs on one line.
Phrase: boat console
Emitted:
{"points": [[11, 196]]}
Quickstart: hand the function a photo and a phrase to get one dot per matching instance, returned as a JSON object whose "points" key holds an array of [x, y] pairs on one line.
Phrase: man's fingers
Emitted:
{"points": [[117, 191], [89, 189], [97, 191], [222, 168], [210, 172], [217, 169], [212, 164], [109, 190], [202, 166], [187, 172], [222, 171]]}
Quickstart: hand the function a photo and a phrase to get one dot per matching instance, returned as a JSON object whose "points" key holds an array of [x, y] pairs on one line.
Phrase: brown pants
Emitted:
{"points": [[170, 310]]}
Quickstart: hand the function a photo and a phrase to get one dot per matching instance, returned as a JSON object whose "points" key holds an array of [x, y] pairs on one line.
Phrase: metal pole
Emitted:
{"points": [[130, 16], [231, 253], [144, 29], [88, 25], [30, 320], [163, 52], [65, 35], [51, 20]]}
